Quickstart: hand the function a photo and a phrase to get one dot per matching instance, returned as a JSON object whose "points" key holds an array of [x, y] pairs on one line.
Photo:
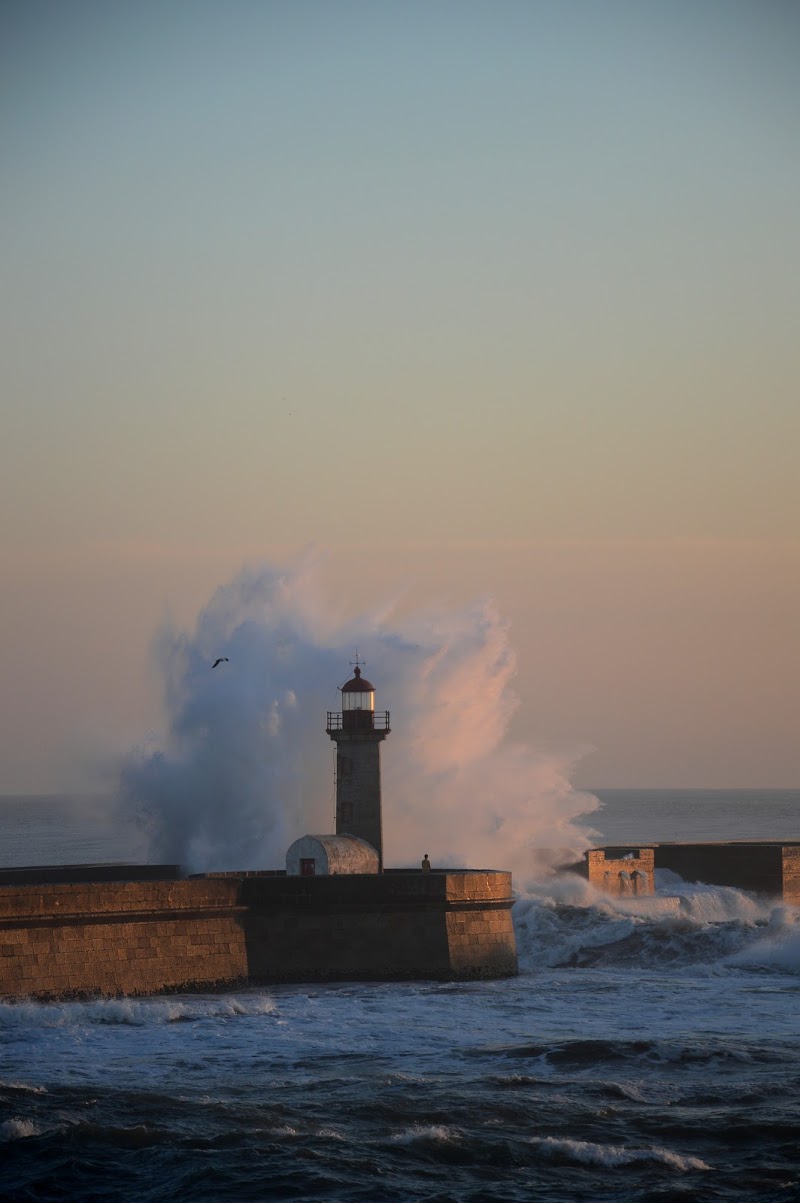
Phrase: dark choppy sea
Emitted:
{"points": [[641, 1055]]}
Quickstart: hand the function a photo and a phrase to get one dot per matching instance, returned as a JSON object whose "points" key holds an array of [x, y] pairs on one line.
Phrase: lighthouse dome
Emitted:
{"points": [[358, 684]]}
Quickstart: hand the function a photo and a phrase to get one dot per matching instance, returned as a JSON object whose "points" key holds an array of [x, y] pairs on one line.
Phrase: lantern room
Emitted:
{"points": [[357, 694], [358, 708]]}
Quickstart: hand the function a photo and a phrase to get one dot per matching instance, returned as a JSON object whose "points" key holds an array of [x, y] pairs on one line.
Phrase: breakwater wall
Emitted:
{"points": [[144, 937], [768, 867]]}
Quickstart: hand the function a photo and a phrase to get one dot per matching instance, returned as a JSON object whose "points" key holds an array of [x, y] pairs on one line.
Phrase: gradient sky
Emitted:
{"points": [[485, 298]]}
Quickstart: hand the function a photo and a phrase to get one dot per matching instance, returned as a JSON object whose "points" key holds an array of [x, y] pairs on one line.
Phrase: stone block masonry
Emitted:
{"points": [[393, 926], [790, 873], [621, 871], [144, 937], [118, 937]]}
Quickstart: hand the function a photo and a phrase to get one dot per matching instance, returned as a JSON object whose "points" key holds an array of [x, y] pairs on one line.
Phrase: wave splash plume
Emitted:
{"points": [[242, 768]]}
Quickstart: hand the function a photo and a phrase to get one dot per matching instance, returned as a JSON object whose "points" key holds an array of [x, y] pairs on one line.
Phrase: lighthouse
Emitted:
{"points": [[358, 731]]}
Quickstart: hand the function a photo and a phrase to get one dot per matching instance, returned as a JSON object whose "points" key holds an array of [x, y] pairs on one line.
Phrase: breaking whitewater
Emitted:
{"points": [[642, 1054]]}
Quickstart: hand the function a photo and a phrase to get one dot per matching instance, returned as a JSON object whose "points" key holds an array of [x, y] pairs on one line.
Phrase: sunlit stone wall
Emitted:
{"points": [[120, 938], [626, 872]]}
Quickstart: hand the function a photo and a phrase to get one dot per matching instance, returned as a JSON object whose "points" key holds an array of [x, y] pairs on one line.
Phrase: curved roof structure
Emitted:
{"points": [[331, 854], [357, 684]]}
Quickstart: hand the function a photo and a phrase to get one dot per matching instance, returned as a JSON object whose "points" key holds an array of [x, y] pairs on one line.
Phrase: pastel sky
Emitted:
{"points": [[485, 299]]}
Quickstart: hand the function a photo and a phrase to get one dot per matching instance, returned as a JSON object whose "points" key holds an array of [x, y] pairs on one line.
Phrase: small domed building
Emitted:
{"points": [[313, 855]]}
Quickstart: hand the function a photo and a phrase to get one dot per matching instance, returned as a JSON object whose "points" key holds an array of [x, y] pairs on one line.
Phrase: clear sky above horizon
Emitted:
{"points": [[484, 298]]}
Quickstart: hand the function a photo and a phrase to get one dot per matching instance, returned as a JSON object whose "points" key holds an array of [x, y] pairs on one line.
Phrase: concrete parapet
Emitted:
{"points": [[55, 874], [95, 900]]}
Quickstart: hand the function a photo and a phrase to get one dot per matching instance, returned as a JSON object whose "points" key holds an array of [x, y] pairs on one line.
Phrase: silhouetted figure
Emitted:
{"points": [[221, 660], [426, 864]]}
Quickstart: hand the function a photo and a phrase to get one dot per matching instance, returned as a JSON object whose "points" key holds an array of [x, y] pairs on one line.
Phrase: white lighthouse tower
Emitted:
{"points": [[357, 730]]}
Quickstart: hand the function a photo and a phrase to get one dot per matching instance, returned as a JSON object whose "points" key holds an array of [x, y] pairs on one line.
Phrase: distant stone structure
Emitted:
{"points": [[768, 867], [627, 872]]}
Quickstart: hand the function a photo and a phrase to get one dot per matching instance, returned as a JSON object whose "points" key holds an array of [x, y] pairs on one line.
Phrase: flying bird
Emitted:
{"points": [[221, 660]]}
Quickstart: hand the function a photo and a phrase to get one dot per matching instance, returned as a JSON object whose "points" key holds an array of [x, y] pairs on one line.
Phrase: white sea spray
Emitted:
{"points": [[567, 921], [243, 767]]}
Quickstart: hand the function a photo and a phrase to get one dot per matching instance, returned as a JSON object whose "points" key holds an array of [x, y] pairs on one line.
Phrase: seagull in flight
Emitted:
{"points": [[221, 660]]}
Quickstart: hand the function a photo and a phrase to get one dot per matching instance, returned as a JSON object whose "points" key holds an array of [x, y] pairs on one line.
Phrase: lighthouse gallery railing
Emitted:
{"points": [[380, 719]]}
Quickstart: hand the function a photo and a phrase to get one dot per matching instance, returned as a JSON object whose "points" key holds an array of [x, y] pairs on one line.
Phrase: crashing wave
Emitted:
{"points": [[425, 1134], [589, 1153], [566, 922], [136, 1012], [18, 1129]]}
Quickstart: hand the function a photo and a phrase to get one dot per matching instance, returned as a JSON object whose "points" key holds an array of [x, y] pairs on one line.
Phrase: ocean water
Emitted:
{"points": [[642, 1054]]}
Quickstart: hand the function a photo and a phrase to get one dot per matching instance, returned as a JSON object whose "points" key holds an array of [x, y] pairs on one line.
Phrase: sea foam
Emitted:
{"points": [[589, 1153], [567, 922], [18, 1129]]}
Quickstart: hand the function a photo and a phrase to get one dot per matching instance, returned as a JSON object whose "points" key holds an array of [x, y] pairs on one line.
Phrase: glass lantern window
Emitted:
{"points": [[358, 700]]}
